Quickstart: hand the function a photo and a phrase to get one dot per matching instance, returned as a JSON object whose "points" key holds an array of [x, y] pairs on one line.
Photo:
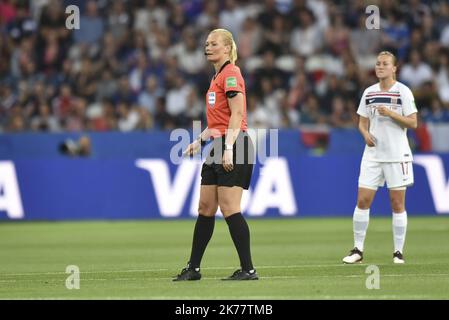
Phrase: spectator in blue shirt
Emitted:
{"points": [[91, 26]]}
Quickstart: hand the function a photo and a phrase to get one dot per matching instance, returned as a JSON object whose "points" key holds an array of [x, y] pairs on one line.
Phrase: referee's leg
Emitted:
{"points": [[229, 199], [204, 227]]}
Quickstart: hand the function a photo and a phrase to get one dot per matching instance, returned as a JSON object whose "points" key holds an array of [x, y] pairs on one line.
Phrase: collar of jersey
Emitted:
{"points": [[222, 67]]}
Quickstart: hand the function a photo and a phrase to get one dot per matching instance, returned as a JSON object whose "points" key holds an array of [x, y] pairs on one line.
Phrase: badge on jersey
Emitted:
{"points": [[231, 82], [211, 98]]}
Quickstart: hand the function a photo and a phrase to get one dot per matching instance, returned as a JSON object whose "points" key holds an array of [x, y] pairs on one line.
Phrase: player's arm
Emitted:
{"points": [[364, 130], [410, 121]]}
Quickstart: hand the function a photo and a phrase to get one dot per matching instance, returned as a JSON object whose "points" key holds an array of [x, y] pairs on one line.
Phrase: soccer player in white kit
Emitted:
{"points": [[386, 110]]}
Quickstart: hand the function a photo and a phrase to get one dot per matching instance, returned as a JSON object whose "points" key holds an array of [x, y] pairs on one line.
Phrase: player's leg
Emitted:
{"points": [[371, 177], [399, 175], [360, 222], [229, 199], [204, 226], [365, 198], [397, 199]]}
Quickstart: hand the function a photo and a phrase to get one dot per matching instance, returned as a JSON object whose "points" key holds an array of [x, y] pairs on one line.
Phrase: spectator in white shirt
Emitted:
{"points": [[308, 38], [416, 72]]}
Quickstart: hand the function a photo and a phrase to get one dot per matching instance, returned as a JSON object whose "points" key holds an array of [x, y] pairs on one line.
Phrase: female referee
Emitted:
{"points": [[228, 168], [386, 110]]}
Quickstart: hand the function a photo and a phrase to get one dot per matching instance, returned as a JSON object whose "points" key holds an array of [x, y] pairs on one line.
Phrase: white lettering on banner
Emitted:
{"points": [[273, 188], [196, 197], [10, 199], [170, 198], [439, 186], [274, 175]]}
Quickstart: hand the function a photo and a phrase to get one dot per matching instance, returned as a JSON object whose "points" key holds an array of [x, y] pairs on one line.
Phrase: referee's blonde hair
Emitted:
{"points": [[228, 40], [393, 58]]}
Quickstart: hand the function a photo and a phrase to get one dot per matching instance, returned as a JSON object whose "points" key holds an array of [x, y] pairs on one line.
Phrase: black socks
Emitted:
{"points": [[204, 228], [239, 231], [240, 235]]}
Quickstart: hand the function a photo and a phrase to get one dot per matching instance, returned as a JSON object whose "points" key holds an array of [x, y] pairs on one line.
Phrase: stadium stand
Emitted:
{"points": [[139, 65]]}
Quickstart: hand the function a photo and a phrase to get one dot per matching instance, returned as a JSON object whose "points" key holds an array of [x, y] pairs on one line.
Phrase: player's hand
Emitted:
{"points": [[370, 140], [384, 111], [227, 160], [192, 148]]}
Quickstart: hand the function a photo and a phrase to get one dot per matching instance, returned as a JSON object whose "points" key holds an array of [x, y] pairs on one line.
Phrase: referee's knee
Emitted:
{"points": [[207, 209], [228, 209]]}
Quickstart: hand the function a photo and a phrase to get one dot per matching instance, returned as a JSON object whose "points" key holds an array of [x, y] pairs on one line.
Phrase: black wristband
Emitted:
{"points": [[202, 142]]}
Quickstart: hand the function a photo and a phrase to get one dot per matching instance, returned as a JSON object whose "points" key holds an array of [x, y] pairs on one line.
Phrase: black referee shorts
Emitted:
{"points": [[213, 173]]}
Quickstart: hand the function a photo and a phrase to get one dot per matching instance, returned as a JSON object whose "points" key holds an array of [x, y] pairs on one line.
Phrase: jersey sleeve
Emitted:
{"points": [[408, 102], [233, 81], [362, 106]]}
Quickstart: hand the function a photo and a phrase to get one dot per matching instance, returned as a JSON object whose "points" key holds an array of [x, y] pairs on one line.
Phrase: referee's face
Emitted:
{"points": [[215, 49]]}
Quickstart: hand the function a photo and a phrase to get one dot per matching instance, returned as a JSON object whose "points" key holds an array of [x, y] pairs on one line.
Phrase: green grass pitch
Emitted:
{"points": [[295, 259]]}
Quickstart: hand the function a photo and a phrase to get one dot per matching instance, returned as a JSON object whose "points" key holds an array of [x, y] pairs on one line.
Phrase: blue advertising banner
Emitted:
{"points": [[293, 184]]}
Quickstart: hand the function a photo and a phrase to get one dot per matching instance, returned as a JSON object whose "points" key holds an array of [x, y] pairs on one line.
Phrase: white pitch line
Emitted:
{"points": [[166, 269], [84, 272], [341, 265], [262, 277]]}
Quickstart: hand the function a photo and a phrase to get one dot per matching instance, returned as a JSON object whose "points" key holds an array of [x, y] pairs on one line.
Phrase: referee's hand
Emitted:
{"points": [[227, 160], [192, 149]]}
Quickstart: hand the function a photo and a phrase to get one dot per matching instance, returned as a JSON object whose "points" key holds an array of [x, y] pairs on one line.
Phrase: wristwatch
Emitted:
{"points": [[228, 146]]}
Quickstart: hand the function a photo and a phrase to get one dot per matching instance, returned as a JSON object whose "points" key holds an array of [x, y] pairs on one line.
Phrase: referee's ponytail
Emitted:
{"points": [[228, 40]]}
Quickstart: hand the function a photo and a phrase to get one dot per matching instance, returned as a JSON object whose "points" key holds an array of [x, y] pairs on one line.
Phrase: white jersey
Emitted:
{"points": [[391, 143]]}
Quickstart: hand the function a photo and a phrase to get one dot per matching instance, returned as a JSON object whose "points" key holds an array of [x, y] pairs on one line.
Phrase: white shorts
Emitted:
{"points": [[373, 174]]}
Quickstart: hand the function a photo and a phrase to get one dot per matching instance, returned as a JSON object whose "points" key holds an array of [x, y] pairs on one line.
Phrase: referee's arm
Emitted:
{"points": [[235, 121], [204, 136]]}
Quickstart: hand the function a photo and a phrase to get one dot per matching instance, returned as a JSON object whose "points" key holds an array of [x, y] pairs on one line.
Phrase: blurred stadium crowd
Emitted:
{"points": [[140, 65]]}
